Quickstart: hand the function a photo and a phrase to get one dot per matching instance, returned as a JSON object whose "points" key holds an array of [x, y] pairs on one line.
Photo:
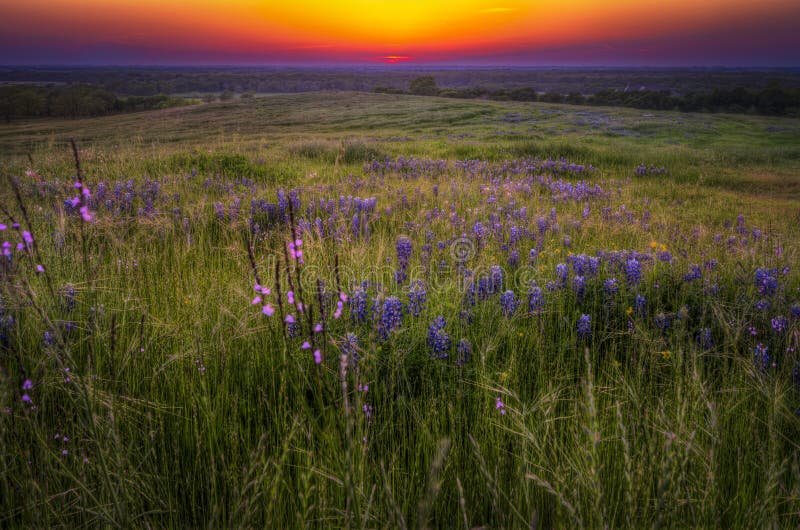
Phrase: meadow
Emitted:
{"points": [[364, 310]]}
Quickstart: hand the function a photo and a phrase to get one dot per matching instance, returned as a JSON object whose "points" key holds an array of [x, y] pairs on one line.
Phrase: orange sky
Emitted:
{"points": [[362, 30]]}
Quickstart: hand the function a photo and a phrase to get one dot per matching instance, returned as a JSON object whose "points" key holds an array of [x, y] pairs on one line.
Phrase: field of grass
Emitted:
{"points": [[513, 315]]}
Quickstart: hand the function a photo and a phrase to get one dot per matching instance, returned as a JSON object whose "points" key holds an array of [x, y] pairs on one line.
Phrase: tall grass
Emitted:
{"points": [[179, 404]]}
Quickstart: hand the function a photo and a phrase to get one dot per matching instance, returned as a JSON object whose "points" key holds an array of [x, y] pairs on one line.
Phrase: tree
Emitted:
{"points": [[424, 86]]}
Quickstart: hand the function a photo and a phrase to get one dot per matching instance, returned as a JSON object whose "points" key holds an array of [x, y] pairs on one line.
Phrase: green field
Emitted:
{"points": [[159, 396]]}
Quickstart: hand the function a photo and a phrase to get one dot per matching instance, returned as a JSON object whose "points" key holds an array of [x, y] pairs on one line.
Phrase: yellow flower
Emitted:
{"points": [[629, 310], [665, 354], [653, 244], [663, 248]]}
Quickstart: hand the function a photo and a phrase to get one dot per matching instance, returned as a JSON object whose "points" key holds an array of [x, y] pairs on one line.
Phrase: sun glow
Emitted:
{"points": [[364, 29]]}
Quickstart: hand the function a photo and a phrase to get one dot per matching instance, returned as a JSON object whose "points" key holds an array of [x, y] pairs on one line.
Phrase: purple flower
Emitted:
{"points": [[633, 271], [390, 316], [417, 296], [27, 385], [464, 350], [579, 286], [438, 339], [695, 273], [508, 303], [762, 358], [584, 326], [535, 299], [640, 305], [500, 406], [611, 287], [779, 324]]}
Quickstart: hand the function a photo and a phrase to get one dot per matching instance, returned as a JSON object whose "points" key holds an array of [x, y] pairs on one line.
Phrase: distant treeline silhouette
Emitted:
{"points": [[773, 100], [31, 101]]}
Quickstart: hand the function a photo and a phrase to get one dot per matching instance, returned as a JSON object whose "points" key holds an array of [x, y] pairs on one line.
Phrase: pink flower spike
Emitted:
{"points": [[305, 346], [266, 291], [298, 242], [299, 254], [86, 192], [86, 214], [337, 313], [343, 297], [300, 307], [39, 269], [3, 227], [268, 310], [78, 185], [317, 356], [317, 328], [256, 300], [289, 319], [256, 287]]}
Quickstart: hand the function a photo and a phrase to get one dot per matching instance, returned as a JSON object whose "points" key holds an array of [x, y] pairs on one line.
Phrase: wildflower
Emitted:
{"points": [[289, 319], [584, 326], [317, 357], [562, 272], [705, 339], [390, 316], [500, 406], [27, 385], [762, 357], [39, 269], [305, 346], [417, 296], [508, 303], [611, 287], [695, 273], [268, 310], [256, 300], [640, 305], [535, 299], [438, 339], [464, 350], [579, 286], [779, 324], [633, 271]]}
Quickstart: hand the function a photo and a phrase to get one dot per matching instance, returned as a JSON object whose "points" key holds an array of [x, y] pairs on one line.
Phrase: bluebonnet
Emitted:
{"points": [[695, 273], [633, 271], [579, 286], [762, 357], [562, 272], [508, 303], [513, 258], [358, 305], [611, 286], [779, 324], [767, 281], [705, 339], [535, 299], [390, 316], [640, 305], [464, 350], [584, 326], [417, 296], [438, 339], [349, 347]]}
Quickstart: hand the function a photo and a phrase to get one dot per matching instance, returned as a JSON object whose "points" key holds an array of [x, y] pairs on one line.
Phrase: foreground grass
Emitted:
{"points": [[185, 406]]}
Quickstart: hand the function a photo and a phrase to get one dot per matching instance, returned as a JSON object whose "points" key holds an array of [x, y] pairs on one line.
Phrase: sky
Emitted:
{"points": [[401, 32]]}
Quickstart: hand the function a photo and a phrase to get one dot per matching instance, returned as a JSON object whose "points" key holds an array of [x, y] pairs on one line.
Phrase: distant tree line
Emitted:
{"points": [[771, 100], [148, 81], [29, 101]]}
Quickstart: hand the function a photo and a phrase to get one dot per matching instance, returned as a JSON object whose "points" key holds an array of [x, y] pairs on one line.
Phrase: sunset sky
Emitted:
{"points": [[411, 32]]}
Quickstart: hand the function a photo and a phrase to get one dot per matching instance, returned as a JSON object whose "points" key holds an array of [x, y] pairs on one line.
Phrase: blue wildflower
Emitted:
{"points": [[584, 326]]}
